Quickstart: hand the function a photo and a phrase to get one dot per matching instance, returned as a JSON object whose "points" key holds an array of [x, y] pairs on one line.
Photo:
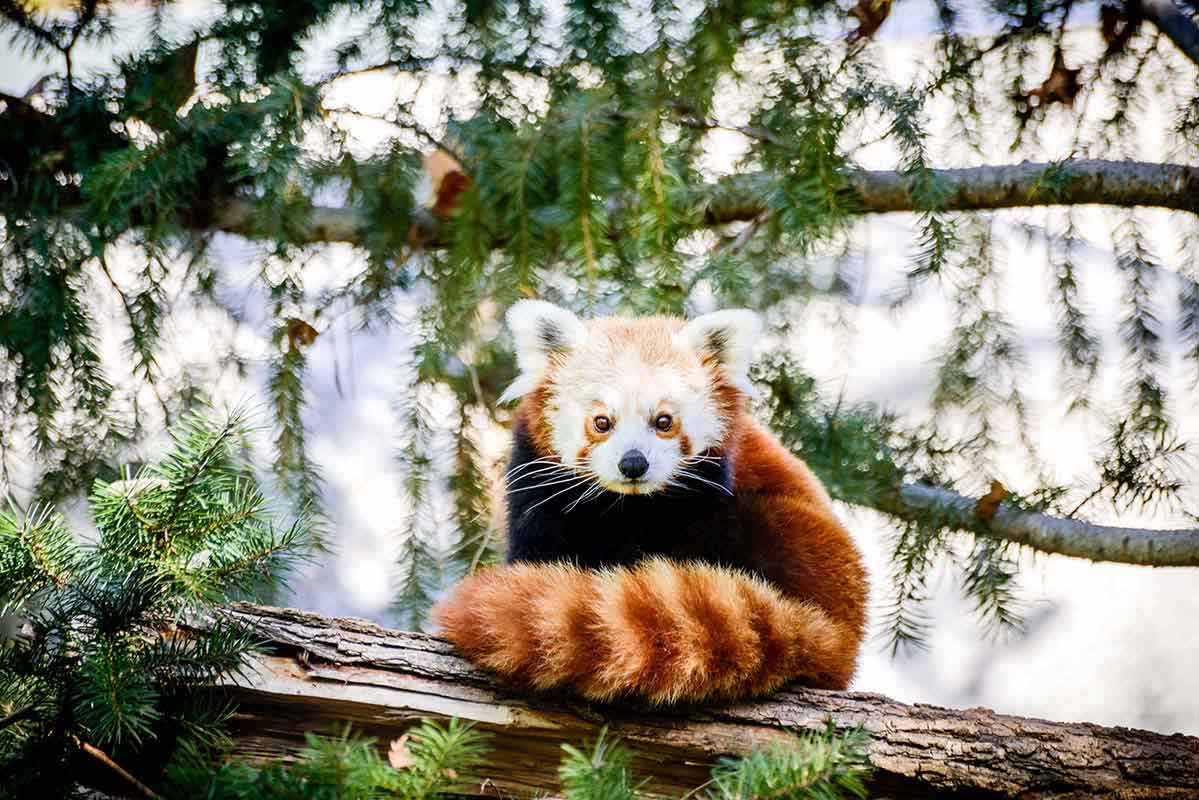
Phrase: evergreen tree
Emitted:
{"points": [[581, 131], [104, 677]]}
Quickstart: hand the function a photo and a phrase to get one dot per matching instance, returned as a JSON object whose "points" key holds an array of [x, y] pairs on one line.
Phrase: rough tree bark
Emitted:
{"points": [[319, 673]]}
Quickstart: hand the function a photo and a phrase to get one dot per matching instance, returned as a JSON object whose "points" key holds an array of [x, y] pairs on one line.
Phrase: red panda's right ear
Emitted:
{"points": [[540, 330]]}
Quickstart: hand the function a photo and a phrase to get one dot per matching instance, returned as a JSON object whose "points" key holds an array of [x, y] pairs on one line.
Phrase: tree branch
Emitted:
{"points": [[1178, 26], [739, 198], [1049, 534], [316, 674], [19, 715], [126, 775], [1081, 182]]}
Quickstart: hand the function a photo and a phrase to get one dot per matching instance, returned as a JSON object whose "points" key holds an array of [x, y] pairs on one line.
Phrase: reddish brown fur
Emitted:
{"points": [[799, 544], [532, 408], [667, 631], [660, 630]]}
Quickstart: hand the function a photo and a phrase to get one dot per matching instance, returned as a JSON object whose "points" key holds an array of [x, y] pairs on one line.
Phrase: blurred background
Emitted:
{"points": [[955, 327]]}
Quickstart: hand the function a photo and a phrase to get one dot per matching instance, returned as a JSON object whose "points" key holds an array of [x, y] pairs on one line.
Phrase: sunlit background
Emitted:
{"points": [[1104, 643]]}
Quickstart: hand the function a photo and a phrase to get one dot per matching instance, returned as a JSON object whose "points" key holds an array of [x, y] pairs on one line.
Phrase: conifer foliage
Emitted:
{"points": [[814, 765], [432, 761], [99, 677], [428, 762]]}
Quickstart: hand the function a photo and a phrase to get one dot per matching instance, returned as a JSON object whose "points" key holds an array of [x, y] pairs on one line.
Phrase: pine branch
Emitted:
{"points": [[104, 664], [818, 765], [18, 14], [201, 464], [144, 353]]}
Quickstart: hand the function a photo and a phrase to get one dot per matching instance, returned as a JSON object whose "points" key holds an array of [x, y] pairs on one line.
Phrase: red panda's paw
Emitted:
{"points": [[662, 631]]}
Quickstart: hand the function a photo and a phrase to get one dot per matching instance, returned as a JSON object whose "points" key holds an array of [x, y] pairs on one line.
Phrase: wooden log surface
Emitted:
{"points": [[319, 674]]}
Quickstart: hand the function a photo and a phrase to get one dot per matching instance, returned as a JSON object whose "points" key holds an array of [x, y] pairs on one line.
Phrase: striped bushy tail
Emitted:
{"points": [[663, 631]]}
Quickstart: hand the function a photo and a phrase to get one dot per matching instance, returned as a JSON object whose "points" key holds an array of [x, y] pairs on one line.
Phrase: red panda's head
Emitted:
{"points": [[631, 402]]}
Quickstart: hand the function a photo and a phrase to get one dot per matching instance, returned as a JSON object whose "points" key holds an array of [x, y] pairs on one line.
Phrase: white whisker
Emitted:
{"points": [[685, 474], [618, 498], [555, 494], [536, 472], [540, 468], [592, 491], [543, 460], [525, 464], [557, 480]]}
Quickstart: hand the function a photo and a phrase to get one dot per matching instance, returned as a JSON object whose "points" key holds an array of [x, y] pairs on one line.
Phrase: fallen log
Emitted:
{"points": [[317, 674]]}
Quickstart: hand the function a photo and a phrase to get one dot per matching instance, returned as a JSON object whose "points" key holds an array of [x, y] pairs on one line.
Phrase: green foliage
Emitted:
{"points": [[105, 657], [428, 762], [863, 456], [810, 765], [432, 761], [601, 773], [588, 140], [814, 766]]}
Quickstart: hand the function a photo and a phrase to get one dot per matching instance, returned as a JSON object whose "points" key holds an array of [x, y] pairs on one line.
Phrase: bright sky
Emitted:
{"points": [[1108, 643]]}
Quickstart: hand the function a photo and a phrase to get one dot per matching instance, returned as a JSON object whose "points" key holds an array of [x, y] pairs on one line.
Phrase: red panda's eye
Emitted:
{"points": [[663, 422], [602, 424]]}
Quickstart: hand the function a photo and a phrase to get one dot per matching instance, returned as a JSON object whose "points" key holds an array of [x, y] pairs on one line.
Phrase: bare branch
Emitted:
{"points": [[1082, 182], [19, 715], [126, 775], [739, 198], [1049, 534]]}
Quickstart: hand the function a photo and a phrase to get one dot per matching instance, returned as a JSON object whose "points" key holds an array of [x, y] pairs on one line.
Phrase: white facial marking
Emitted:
{"points": [[631, 372], [605, 378]]}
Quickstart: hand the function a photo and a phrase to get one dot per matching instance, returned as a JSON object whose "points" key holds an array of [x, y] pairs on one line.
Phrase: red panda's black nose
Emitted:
{"points": [[633, 464]]}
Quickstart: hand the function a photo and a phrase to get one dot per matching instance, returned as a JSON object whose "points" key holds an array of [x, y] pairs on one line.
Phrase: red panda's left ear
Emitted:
{"points": [[727, 338]]}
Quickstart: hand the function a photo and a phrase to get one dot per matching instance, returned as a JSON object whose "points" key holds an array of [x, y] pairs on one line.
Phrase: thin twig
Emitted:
{"points": [[104, 759], [17, 716], [1087, 499], [738, 243]]}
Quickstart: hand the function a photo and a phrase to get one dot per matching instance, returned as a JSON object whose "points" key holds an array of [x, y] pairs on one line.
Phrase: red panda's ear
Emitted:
{"points": [[726, 338], [540, 330]]}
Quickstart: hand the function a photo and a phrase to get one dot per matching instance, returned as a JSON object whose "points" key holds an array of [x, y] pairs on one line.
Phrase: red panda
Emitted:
{"points": [[661, 545]]}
